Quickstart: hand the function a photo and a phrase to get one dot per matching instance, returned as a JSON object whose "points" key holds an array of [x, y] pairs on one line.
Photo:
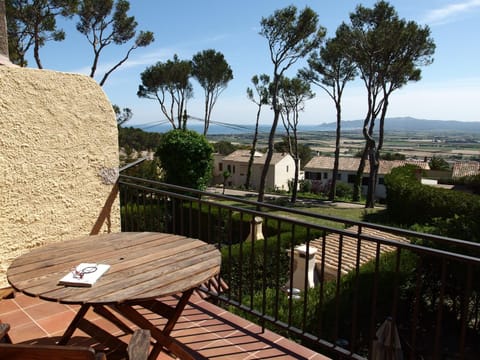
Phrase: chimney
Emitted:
{"points": [[256, 232], [302, 266]]}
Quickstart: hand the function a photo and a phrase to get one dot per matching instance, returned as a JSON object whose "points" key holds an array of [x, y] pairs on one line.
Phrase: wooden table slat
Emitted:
{"points": [[18, 275], [140, 263], [41, 286], [52, 257]]}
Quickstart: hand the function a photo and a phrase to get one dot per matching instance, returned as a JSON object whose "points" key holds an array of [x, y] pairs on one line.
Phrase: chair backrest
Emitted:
{"points": [[39, 352], [50, 352]]}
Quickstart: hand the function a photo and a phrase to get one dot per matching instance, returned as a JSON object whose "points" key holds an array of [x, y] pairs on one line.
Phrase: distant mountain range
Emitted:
{"points": [[409, 124]]}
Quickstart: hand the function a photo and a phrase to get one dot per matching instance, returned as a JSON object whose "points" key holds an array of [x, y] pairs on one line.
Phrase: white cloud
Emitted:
{"points": [[451, 12]]}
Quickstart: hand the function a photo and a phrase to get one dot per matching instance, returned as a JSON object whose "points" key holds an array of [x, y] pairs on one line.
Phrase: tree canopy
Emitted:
{"points": [[388, 52], [331, 68], [33, 23], [292, 94], [438, 163], [102, 28], [290, 36], [122, 115], [213, 73], [262, 88], [169, 84]]}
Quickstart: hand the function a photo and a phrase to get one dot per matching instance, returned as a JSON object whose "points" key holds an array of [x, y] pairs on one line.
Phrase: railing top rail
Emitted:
{"points": [[205, 198]]}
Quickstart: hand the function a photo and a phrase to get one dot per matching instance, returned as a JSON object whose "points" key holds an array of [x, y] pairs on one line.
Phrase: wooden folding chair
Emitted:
{"points": [[138, 349]]}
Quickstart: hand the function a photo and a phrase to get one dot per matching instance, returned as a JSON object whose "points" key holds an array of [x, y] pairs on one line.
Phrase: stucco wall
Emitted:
{"points": [[58, 135]]}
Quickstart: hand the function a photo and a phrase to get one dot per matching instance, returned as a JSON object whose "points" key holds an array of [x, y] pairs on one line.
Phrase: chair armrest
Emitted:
{"points": [[139, 345]]}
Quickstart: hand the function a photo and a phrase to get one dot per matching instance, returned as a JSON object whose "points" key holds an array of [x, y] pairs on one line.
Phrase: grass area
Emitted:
{"points": [[355, 214], [348, 211]]}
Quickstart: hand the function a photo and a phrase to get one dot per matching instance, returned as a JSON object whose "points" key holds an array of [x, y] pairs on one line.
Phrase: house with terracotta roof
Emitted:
{"points": [[320, 169], [465, 168], [280, 172]]}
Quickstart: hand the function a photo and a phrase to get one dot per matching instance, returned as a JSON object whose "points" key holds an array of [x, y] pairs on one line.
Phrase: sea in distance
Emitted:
{"points": [[405, 124], [222, 129]]}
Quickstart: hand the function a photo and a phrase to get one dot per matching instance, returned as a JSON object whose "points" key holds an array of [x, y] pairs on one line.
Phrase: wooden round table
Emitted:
{"points": [[143, 268]]}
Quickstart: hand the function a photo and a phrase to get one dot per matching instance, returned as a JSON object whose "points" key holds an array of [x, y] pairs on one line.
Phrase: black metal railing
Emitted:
{"points": [[330, 287]]}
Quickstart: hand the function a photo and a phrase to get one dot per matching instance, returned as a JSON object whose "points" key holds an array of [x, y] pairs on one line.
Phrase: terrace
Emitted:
{"points": [[330, 298], [429, 292]]}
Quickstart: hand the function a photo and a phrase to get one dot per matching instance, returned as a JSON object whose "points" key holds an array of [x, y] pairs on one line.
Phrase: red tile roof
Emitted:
{"points": [[351, 164], [242, 156], [466, 168]]}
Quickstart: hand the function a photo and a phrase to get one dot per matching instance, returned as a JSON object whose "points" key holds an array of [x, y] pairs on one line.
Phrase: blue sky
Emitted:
{"points": [[449, 89]]}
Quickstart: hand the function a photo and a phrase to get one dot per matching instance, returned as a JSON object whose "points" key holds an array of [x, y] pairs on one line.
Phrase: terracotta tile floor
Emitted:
{"points": [[209, 330]]}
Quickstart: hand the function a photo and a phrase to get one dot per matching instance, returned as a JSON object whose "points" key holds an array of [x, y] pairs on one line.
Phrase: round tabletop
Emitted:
{"points": [[143, 266]]}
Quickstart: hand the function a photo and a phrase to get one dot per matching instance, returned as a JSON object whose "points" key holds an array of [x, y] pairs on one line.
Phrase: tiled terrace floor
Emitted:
{"points": [[209, 330]]}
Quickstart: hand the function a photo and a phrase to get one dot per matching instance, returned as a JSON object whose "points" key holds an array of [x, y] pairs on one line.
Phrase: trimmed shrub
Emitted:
{"points": [[451, 213]]}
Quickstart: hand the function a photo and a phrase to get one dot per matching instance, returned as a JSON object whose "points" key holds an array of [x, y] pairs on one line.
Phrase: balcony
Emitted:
{"points": [[326, 288]]}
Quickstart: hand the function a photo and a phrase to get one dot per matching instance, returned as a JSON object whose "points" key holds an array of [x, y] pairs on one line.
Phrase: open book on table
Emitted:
{"points": [[84, 274]]}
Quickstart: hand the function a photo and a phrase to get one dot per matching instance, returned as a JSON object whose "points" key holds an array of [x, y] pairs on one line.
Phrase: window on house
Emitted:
{"points": [[339, 176], [325, 175], [234, 169], [381, 181], [365, 181], [287, 168], [220, 167], [229, 168], [351, 178]]}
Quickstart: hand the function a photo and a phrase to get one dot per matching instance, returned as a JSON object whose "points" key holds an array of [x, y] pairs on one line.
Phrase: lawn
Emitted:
{"points": [[356, 213]]}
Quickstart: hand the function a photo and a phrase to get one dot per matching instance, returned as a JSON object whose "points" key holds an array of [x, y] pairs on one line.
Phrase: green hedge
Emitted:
{"points": [[352, 299], [448, 212]]}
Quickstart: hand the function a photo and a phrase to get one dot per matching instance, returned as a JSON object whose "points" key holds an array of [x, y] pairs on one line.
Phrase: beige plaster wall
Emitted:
{"points": [[58, 146]]}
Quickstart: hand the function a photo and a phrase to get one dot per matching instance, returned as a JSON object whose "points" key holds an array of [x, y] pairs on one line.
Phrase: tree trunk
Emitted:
{"points": [[372, 180], [271, 137], [357, 186], [207, 118], [252, 151], [268, 159], [293, 199], [3, 31], [331, 195]]}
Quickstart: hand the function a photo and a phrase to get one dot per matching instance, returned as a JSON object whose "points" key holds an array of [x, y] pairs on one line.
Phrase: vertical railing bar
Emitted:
{"points": [[353, 335], [337, 290], [180, 209], [173, 201], [438, 325], [373, 319], [190, 219], [264, 277], [121, 193], [201, 223], [240, 263], [322, 281], [290, 276], [278, 286], [135, 206], [229, 242], [168, 214], [464, 313], [158, 211], [209, 223], [395, 292], [240, 267], [416, 307], [306, 284]]}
